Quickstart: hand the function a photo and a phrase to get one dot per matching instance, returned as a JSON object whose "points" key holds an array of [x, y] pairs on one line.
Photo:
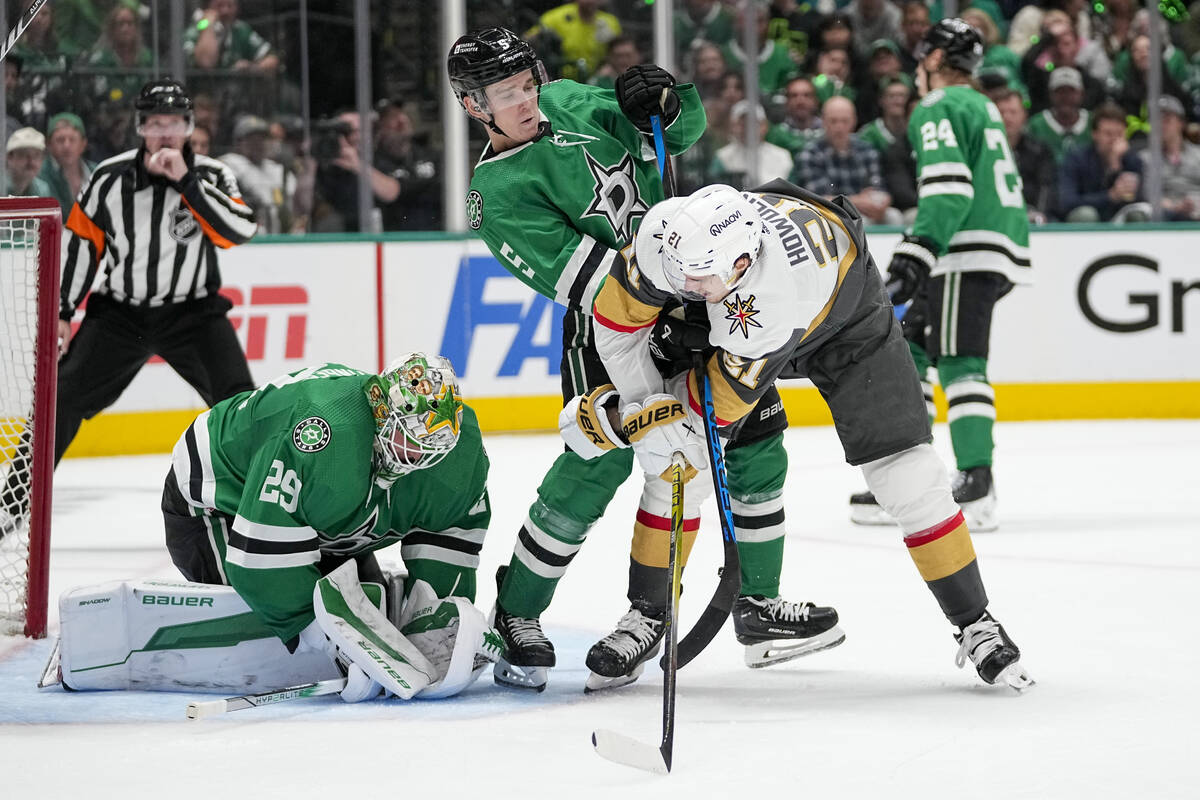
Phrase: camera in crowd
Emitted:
{"points": [[327, 139]]}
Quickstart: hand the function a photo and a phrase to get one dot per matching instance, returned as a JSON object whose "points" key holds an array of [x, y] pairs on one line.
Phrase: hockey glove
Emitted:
{"points": [[585, 426], [646, 89], [675, 337], [657, 428], [359, 685], [912, 261]]}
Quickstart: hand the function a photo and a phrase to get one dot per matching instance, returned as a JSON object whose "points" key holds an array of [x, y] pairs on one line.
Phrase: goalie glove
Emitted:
{"points": [[453, 635], [912, 261], [359, 685], [585, 425], [657, 428], [646, 89]]}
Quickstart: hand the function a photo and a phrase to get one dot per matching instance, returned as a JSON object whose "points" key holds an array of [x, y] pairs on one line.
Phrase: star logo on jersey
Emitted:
{"points": [[616, 196], [741, 314], [474, 209], [446, 414], [311, 435], [357, 540]]}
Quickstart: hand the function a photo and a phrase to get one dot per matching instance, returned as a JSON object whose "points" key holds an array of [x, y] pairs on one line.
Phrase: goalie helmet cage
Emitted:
{"points": [[30, 233]]}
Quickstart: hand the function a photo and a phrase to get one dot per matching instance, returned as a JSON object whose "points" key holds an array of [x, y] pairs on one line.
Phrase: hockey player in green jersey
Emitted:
{"points": [[276, 487], [566, 176], [967, 248], [790, 290]]}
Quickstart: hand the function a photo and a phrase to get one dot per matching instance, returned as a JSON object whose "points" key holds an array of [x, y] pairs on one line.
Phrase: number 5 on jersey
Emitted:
{"points": [[282, 487]]}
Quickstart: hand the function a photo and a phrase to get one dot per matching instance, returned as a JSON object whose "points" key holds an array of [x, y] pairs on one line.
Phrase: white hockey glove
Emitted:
{"points": [[359, 685], [585, 426], [453, 634], [660, 426], [366, 640]]}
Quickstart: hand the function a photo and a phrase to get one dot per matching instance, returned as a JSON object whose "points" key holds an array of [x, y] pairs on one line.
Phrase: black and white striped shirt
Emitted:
{"points": [[156, 240]]}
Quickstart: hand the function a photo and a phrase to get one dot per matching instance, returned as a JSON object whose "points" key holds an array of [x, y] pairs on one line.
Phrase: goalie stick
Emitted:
{"points": [[210, 708], [22, 24]]}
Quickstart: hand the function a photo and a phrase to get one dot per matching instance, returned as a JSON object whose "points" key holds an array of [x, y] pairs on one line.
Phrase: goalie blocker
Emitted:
{"points": [[172, 636]]}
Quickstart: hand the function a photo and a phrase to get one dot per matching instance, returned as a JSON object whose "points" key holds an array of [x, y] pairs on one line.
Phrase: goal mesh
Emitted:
{"points": [[29, 249]]}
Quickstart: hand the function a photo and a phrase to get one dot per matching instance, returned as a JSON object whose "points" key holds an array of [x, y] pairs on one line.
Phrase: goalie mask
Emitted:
{"points": [[418, 414], [710, 233]]}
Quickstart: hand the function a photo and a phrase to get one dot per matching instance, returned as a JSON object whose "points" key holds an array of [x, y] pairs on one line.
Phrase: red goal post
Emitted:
{"points": [[30, 239]]}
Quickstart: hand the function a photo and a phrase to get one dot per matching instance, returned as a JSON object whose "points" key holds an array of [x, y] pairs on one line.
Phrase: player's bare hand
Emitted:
{"points": [[64, 337], [167, 162]]}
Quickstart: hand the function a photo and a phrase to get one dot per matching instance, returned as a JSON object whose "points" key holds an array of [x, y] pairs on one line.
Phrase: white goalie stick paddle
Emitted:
{"points": [[624, 749], [22, 24], [211, 708]]}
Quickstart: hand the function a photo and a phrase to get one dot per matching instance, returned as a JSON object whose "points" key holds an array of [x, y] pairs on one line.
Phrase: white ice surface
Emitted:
{"points": [[1095, 572]]}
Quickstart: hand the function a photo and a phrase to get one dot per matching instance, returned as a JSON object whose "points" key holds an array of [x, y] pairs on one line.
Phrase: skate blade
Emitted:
{"points": [[869, 515], [980, 515], [515, 677], [1015, 677], [598, 683], [778, 651]]}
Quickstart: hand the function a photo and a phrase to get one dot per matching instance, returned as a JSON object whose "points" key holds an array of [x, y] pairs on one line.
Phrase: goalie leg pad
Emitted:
{"points": [[364, 636], [453, 634]]}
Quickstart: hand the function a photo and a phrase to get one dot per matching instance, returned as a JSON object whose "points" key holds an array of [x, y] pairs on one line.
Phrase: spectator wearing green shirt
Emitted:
{"points": [[120, 48], [702, 21], [1066, 124], [25, 150], [892, 123], [833, 74], [584, 31], [65, 171], [802, 123], [775, 64], [623, 53], [219, 40]]}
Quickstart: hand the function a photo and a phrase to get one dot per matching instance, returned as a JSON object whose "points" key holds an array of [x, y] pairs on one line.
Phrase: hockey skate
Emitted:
{"points": [[995, 656], [864, 510], [775, 630], [619, 658], [975, 494], [528, 654]]}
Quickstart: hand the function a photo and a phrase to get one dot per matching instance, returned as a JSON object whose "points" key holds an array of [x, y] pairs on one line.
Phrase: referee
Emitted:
{"points": [[149, 221]]}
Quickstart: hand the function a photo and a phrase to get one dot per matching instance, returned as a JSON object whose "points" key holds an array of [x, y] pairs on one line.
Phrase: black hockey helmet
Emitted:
{"points": [[163, 96], [962, 44], [482, 58]]}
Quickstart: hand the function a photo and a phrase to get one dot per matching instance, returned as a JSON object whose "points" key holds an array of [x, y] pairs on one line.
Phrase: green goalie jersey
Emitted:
{"points": [[970, 201], [291, 464], [556, 210]]}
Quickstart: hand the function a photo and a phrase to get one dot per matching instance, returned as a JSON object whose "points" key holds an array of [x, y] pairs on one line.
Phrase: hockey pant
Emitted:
{"points": [[951, 331]]}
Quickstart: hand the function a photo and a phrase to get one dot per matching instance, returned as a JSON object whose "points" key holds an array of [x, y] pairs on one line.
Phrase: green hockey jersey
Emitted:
{"points": [[285, 472], [969, 192], [555, 211]]}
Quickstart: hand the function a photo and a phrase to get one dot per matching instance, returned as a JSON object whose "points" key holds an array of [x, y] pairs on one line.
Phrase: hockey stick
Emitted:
{"points": [[624, 749], [712, 619], [22, 24], [210, 708]]}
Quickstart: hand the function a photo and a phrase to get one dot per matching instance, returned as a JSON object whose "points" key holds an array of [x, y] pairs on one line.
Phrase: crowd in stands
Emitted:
{"points": [[830, 112]]}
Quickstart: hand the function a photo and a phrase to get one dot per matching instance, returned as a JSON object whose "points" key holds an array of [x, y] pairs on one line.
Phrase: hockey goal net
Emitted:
{"points": [[30, 230]]}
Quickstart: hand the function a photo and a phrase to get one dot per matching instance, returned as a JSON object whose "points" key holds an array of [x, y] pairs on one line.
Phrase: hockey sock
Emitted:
{"points": [[756, 475], [572, 496], [945, 557], [972, 409], [924, 365]]}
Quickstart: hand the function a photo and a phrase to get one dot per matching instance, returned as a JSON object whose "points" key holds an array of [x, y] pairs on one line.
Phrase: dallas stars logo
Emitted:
{"points": [[311, 435], [616, 196], [446, 414], [741, 314]]}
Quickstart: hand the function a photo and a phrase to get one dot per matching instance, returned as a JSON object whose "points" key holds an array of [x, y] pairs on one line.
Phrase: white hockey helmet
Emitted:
{"points": [[714, 229]]}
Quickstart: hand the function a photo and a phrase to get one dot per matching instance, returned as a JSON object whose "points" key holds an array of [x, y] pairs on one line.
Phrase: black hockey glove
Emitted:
{"points": [[640, 94], [674, 338], [912, 261]]}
